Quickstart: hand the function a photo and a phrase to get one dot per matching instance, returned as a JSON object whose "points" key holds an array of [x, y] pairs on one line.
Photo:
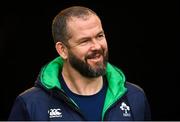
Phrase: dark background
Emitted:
{"points": [[142, 36]]}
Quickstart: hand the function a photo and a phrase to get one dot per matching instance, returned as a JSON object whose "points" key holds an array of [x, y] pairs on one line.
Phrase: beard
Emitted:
{"points": [[86, 69]]}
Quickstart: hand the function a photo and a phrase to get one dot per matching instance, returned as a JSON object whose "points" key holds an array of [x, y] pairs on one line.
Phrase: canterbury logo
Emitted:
{"points": [[54, 113]]}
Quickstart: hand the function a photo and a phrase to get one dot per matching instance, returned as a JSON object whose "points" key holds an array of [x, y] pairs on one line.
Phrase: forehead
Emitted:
{"points": [[84, 24], [82, 17]]}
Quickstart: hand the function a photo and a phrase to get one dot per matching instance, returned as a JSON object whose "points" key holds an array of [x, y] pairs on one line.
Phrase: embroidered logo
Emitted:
{"points": [[54, 113], [126, 109]]}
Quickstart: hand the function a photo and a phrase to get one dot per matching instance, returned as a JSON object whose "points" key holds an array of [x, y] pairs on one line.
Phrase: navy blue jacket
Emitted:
{"points": [[47, 101]]}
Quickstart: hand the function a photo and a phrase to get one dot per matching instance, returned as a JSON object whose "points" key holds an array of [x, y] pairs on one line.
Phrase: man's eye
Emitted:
{"points": [[101, 36], [84, 42]]}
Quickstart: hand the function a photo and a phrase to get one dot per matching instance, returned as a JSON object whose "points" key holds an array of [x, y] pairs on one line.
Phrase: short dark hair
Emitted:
{"points": [[59, 25]]}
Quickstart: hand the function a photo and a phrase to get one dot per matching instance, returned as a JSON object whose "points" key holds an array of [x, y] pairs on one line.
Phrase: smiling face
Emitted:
{"points": [[87, 47]]}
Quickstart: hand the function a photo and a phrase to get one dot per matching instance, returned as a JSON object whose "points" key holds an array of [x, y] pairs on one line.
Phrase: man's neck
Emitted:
{"points": [[79, 84]]}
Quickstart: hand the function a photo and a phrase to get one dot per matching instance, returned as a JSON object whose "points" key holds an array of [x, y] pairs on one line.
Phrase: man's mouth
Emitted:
{"points": [[95, 58]]}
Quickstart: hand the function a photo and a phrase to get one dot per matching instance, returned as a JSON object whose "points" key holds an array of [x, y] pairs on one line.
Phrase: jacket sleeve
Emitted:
{"points": [[19, 111], [147, 110]]}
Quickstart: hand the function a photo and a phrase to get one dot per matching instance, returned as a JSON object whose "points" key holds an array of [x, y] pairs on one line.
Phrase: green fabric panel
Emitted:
{"points": [[49, 74]]}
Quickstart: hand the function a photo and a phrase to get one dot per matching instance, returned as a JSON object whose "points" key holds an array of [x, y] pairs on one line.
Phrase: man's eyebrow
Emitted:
{"points": [[83, 38], [101, 32]]}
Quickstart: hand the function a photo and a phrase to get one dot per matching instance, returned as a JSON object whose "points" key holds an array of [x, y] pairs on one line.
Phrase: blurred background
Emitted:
{"points": [[142, 36]]}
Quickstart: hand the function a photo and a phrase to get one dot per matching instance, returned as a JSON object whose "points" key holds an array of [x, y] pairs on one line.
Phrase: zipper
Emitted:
{"points": [[59, 94]]}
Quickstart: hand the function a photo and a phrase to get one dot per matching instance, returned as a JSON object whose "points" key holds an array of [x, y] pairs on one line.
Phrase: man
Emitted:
{"points": [[81, 84]]}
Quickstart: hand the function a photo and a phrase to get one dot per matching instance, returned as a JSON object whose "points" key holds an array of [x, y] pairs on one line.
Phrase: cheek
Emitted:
{"points": [[105, 46], [80, 53]]}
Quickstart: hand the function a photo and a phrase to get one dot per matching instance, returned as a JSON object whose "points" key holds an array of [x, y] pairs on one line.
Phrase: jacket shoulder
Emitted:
{"points": [[133, 88], [135, 94], [135, 91], [32, 94], [138, 102]]}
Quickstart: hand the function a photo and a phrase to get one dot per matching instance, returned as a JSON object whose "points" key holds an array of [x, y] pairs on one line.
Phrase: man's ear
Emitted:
{"points": [[62, 50]]}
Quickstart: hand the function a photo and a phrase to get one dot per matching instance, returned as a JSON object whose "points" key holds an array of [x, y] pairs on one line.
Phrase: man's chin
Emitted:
{"points": [[97, 66]]}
